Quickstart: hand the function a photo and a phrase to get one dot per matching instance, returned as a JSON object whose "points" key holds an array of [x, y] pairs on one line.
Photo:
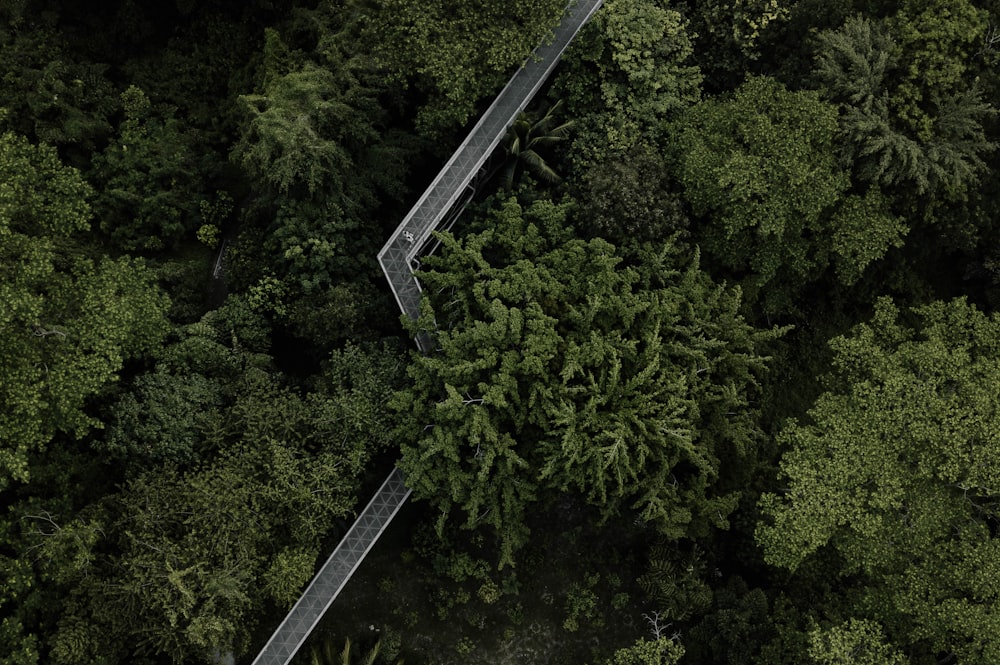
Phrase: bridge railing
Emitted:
{"points": [[403, 246], [331, 578], [396, 259]]}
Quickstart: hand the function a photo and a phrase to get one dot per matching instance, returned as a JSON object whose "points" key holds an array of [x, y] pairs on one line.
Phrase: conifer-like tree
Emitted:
{"points": [[560, 369], [909, 119]]}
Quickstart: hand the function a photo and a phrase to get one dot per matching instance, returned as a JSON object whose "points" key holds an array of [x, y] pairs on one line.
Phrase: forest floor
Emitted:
{"points": [[548, 610]]}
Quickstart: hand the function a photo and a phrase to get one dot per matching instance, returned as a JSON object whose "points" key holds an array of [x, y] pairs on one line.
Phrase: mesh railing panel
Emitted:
{"points": [[332, 577], [397, 258]]}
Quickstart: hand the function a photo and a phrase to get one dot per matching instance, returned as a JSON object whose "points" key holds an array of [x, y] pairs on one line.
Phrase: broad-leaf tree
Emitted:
{"points": [[561, 369], [760, 165], [896, 473], [854, 641], [659, 651], [68, 321]]}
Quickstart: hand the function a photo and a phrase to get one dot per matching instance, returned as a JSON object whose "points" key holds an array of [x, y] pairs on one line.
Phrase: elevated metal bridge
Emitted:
{"points": [[332, 577], [398, 259]]}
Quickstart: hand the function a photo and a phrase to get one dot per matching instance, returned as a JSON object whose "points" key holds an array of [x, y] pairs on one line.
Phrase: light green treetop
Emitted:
{"points": [[897, 472], [855, 642], [68, 322], [660, 651]]}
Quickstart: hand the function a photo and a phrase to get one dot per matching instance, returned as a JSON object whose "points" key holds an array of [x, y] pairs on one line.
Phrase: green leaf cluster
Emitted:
{"points": [[629, 71], [560, 369], [896, 472], [151, 178]]}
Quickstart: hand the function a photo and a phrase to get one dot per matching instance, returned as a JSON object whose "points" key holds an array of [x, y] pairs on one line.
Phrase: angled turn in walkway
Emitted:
{"points": [[399, 255], [397, 259]]}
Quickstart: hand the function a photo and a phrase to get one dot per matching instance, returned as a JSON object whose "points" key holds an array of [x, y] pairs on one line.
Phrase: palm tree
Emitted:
{"points": [[326, 654], [525, 137]]}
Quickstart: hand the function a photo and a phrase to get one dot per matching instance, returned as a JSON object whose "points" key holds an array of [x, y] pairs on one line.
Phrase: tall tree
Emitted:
{"points": [[895, 476], [317, 144], [560, 369], [69, 321], [761, 166], [911, 117], [629, 70]]}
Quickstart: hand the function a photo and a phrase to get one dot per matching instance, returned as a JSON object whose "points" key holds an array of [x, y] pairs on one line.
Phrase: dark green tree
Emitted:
{"points": [[184, 559], [317, 144], [561, 370], [734, 629], [628, 71], [909, 117], [729, 36], [52, 94], [151, 179], [628, 199]]}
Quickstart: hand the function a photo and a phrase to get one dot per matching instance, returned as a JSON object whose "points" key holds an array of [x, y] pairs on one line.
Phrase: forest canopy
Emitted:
{"points": [[713, 335]]}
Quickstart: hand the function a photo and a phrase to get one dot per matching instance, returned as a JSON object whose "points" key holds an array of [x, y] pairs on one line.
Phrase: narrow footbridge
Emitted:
{"points": [[399, 256], [332, 577], [398, 259]]}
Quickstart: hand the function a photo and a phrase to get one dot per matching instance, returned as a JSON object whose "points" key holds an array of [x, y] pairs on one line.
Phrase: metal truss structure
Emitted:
{"points": [[399, 258], [332, 577]]}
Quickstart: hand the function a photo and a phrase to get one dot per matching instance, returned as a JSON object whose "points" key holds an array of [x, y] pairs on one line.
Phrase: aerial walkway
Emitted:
{"points": [[398, 259], [399, 256], [332, 577]]}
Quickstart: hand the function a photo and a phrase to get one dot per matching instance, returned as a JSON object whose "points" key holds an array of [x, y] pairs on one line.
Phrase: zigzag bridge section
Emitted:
{"points": [[399, 258]]}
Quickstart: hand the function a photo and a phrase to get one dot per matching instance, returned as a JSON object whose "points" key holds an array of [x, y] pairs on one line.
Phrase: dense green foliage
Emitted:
{"points": [[762, 167], [560, 369], [69, 319], [717, 344], [898, 474]]}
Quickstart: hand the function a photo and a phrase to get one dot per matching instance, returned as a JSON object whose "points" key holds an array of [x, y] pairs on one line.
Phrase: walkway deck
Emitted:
{"points": [[332, 577], [397, 259], [399, 254]]}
